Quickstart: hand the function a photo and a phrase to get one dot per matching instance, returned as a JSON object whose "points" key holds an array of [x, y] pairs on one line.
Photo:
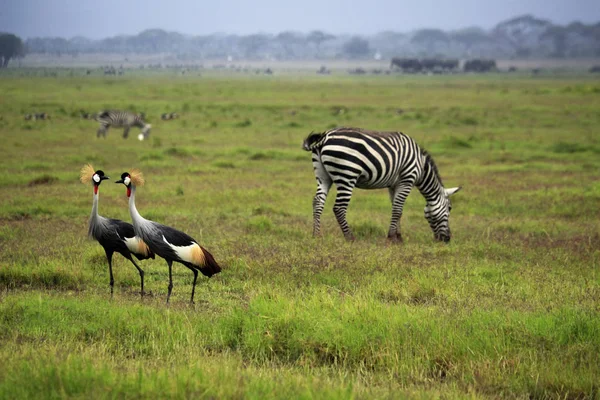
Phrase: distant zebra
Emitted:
{"points": [[121, 119], [168, 116], [353, 157], [36, 116]]}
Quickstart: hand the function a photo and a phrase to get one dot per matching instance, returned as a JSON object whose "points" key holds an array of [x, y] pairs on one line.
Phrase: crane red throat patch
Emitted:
{"points": [[96, 189], [128, 191]]}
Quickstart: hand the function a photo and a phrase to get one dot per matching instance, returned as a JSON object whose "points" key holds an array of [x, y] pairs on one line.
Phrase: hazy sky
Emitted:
{"points": [[102, 18]]}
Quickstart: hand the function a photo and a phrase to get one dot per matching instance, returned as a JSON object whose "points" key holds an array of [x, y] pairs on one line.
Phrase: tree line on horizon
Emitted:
{"points": [[520, 37]]}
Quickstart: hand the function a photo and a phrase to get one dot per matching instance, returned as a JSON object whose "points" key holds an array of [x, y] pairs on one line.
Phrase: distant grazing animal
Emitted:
{"points": [[114, 235], [87, 115], [168, 116], [407, 64], [479, 65], [435, 65], [323, 70], [353, 157], [118, 119], [168, 243], [37, 116]]}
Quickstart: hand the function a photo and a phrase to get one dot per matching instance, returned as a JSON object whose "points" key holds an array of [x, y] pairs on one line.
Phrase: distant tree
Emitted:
{"points": [[558, 36], [356, 47], [470, 37], [253, 43], [290, 37], [290, 41], [429, 38], [11, 46], [318, 37]]}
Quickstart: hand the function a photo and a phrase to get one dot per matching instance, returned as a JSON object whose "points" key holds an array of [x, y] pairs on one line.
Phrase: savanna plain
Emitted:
{"points": [[510, 308]]}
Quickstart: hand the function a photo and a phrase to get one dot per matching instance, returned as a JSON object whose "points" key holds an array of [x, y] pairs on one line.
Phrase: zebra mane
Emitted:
{"points": [[313, 140], [434, 168]]}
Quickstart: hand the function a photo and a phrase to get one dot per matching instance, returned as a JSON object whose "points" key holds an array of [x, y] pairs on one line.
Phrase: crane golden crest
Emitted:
{"points": [[137, 178], [86, 174]]}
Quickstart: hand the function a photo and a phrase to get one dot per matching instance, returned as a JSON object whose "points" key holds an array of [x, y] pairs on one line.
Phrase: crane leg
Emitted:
{"points": [[109, 255], [195, 271], [141, 271], [170, 264]]}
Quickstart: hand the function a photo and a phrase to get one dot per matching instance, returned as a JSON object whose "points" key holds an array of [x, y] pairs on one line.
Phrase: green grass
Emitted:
{"points": [[508, 309]]}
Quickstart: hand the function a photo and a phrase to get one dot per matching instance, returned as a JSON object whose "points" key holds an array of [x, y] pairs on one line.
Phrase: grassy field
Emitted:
{"points": [[510, 308]]}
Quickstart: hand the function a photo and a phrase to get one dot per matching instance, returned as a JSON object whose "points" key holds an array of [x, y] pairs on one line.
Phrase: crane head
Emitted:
{"points": [[126, 180], [134, 178], [88, 175], [98, 177]]}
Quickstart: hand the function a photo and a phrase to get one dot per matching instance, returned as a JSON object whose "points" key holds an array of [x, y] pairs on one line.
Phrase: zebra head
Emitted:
{"points": [[437, 214], [146, 130]]}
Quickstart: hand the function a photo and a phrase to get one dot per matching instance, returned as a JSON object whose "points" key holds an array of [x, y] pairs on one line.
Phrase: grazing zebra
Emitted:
{"points": [[352, 157], [36, 116], [124, 119], [87, 115], [168, 116]]}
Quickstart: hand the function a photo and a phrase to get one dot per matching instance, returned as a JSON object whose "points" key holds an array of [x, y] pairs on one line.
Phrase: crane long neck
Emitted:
{"points": [[94, 224], [95, 206], [135, 215], [144, 229]]}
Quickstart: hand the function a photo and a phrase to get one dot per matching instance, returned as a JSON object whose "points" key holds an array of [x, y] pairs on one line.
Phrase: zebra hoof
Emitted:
{"points": [[397, 238]]}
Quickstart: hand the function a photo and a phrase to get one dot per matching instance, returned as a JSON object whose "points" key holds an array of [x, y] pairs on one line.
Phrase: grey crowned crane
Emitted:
{"points": [[167, 242], [113, 235]]}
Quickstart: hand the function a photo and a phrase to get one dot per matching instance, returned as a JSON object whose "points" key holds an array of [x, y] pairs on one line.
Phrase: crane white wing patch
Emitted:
{"points": [[136, 245], [192, 253]]}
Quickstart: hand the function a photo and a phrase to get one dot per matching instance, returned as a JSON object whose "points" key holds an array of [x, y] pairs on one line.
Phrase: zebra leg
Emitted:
{"points": [[102, 131], [319, 203], [343, 196], [323, 185], [126, 132], [398, 196]]}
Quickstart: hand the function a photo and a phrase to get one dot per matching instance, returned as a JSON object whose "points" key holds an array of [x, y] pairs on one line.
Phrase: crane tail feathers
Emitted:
{"points": [[210, 266]]}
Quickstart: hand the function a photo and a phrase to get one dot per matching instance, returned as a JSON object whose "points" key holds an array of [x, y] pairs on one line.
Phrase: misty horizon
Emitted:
{"points": [[59, 18]]}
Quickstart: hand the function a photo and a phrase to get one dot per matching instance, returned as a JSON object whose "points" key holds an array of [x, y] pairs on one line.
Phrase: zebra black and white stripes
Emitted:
{"points": [[124, 119], [353, 157]]}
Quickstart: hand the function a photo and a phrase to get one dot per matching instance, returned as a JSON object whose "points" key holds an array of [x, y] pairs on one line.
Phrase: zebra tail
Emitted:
{"points": [[313, 141], [210, 265]]}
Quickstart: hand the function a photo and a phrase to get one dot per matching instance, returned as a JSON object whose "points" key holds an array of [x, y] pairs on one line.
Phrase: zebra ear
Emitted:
{"points": [[451, 191]]}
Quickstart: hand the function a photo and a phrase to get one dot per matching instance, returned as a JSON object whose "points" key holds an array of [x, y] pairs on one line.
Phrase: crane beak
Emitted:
{"points": [[120, 181], [104, 178]]}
